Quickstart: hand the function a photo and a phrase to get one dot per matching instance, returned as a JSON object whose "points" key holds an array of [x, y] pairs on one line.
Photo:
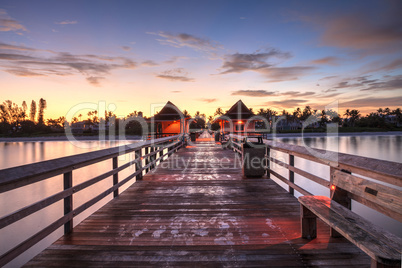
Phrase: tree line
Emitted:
{"points": [[16, 119], [384, 118]]}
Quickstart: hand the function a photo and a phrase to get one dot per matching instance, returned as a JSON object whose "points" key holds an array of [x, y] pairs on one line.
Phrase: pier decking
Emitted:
{"points": [[195, 209]]}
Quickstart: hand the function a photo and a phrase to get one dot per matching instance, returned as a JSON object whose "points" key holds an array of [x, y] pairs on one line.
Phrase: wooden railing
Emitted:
{"points": [[158, 135], [21, 176], [350, 165]]}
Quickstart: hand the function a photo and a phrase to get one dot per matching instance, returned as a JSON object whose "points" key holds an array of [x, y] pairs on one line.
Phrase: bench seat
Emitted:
{"points": [[382, 246]]}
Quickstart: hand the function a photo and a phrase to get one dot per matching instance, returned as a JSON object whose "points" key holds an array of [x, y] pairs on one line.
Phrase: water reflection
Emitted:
{"points": [[20, 153]]}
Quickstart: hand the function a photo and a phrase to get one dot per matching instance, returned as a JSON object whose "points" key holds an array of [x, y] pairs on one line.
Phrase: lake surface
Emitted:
{"points": [[19, 153]]}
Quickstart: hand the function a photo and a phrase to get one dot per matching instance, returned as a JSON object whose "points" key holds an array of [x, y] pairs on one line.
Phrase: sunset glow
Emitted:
{"points": [[202, 55]]}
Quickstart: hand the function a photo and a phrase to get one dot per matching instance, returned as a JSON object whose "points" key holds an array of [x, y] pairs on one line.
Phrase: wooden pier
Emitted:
{"points": [[196, 209]]}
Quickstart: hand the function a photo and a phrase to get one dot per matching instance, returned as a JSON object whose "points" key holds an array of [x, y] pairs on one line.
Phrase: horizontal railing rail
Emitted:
{"points": [[16, 177], [339, 163], [158, 135]]}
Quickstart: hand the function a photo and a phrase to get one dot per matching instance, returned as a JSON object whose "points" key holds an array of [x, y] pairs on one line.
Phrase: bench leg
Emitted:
{"points": [[376, 264], [308, 223]]}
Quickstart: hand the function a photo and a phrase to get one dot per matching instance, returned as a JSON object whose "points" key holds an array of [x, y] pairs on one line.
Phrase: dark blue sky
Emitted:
{"points": [[202, 54]]}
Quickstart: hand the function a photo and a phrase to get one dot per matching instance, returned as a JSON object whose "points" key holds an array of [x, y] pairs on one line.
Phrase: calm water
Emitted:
{"points": [[19, 153]]}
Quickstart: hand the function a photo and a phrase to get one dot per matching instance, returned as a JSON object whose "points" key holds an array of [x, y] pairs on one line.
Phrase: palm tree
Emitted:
{"points": [[398, 113], [186, 113], [354, 115], [380, 111], [297, 113], [218, 111]]}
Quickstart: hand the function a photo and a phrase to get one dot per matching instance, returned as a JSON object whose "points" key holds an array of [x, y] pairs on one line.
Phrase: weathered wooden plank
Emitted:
{"points": [[379, 244], [301, 172], [386, 171], [197, 217], [390, 199], [15, 177]]}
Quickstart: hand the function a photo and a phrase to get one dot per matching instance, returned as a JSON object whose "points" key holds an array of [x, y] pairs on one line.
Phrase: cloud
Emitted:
{"points": [[4, 46], [298, 94], [372, 102], [23, 72], [378, 66], [328, 77], [366, 83], [253, 93], [175, 59], [35, 62], [178, 74], [176, 91], [366, 32], [208, 100], [126, 48], [329, 90], [326, 61], [67, 22], [258, 62], [288, 103], [149, 63], [95, 80], [187, 40], [278, 74], [240, 62], [395, 83], [8, 24]]}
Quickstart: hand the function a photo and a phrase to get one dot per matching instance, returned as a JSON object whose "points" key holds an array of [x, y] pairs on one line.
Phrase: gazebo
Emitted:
{"points": [[169, 121], [238, 119]]}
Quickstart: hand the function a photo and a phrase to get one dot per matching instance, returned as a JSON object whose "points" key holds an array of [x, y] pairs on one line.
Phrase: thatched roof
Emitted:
{"points": [[238, 111], [169, 112]]}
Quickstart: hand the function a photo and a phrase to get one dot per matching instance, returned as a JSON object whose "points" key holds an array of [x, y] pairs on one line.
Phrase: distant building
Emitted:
{"points": [[170, 120], [281, 123], [84, 126], [238, 119]]}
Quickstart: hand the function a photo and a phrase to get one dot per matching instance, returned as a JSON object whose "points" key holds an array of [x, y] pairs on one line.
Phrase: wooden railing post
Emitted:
{"points": [[146, 159], [151, 158], [160, 154], [68, 201], [138, 164], [115, 177], [268, 162], [291, 173], [340, 196]]}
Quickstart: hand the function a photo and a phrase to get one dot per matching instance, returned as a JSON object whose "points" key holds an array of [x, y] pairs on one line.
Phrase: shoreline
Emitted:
{"points": [[136, 138], [343, 134], [64, 138]]}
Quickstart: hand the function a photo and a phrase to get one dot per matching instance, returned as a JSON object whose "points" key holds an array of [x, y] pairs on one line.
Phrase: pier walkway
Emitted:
{"points": [[195, 209]]}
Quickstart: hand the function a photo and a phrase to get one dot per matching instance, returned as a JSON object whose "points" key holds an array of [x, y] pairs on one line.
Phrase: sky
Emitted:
{"points": [[201, 55]]}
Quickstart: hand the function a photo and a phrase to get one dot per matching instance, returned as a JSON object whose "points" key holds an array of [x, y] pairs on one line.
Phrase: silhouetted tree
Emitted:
{"points": [[186, 113], [354, 116], [24, 107], [218, 112], [32, 113], [42, 107]]}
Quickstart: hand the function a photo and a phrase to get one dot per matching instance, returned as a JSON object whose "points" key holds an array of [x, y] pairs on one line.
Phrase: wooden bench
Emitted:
{"points": [[383, 247]]}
